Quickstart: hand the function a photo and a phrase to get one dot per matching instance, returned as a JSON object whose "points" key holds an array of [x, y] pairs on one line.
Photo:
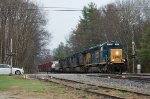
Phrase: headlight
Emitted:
{"points": [[123, 60], [117, 53], [113, 60]]}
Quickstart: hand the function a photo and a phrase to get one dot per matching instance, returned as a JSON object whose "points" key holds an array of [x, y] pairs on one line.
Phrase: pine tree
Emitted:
{"points": [[86, 35], [144, 52]]}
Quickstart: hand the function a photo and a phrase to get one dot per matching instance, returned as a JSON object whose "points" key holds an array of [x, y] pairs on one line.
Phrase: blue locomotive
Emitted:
{"points": [[106, 57]]}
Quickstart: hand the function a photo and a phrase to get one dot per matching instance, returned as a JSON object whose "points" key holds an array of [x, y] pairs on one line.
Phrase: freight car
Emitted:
{"points": [[46, 67], [106, 57]]}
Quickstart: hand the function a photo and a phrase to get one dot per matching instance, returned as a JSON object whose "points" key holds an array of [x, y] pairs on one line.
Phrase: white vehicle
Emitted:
{"points": [[6, 69]]}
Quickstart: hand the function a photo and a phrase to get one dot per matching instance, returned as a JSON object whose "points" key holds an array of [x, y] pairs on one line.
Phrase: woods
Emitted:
{"points": [[23, 22], [124, 21]]}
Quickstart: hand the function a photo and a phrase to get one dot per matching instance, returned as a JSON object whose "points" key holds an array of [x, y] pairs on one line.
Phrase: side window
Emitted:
{"points": [[5, 66]]}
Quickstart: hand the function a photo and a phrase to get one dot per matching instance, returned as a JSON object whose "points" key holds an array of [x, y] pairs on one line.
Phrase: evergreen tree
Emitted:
{"points": [[61, 52], [86, 35], [144, 52]]}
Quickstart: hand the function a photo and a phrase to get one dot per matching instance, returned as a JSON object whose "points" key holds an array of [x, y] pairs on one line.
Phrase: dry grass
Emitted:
{"points": [[18, 88]]}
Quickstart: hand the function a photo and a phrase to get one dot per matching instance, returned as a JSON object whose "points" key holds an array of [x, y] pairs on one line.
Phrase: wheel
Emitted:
{"points": [[17, 72]]}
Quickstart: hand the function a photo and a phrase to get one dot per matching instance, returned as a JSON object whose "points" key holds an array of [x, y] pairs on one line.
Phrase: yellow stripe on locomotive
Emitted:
{"points": [[88, 58]]}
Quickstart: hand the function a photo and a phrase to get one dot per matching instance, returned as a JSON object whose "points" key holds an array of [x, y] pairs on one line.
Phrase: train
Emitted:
{"points": [[107, 57], [46, 67]]}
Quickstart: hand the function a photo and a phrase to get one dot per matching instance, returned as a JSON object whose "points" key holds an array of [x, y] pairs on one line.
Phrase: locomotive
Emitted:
{"points": [[105, 58]]}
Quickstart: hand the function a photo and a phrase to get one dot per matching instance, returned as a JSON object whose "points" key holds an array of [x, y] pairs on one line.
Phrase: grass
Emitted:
{"points": [[38, 89], [8, 82], [122, 94]]}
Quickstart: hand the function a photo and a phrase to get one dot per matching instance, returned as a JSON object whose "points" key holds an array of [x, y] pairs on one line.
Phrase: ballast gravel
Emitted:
{"points": [[123, 84]]}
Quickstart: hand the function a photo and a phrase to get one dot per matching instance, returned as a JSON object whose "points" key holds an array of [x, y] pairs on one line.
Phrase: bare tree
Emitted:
{"points": [[24, 22]]}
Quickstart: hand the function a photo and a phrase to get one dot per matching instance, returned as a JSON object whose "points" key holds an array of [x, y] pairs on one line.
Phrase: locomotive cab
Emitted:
{"points": [[114, 52], [114, 57]]}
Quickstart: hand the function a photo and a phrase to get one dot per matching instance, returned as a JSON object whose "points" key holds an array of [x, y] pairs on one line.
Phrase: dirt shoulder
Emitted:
{"points": [[17, 93]]}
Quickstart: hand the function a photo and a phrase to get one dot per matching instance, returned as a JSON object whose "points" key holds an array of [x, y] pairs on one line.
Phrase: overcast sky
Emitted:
{"points": [[60, 24]]}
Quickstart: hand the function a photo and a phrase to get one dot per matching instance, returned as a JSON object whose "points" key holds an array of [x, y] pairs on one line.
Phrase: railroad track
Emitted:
{"points": [[133, 77], [111, 93], [82, 86]]}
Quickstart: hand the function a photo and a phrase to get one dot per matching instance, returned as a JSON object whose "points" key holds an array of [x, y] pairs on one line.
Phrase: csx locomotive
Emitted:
{"points": [[106, 57]]}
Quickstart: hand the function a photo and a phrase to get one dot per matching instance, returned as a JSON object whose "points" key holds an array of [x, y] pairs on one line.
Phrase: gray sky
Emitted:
{"points": [[60, 24]]}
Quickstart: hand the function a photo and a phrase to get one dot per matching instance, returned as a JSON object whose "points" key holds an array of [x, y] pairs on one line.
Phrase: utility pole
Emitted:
{"points": [[133, 51], [133, 55], [11, 55], [106, 37]]}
